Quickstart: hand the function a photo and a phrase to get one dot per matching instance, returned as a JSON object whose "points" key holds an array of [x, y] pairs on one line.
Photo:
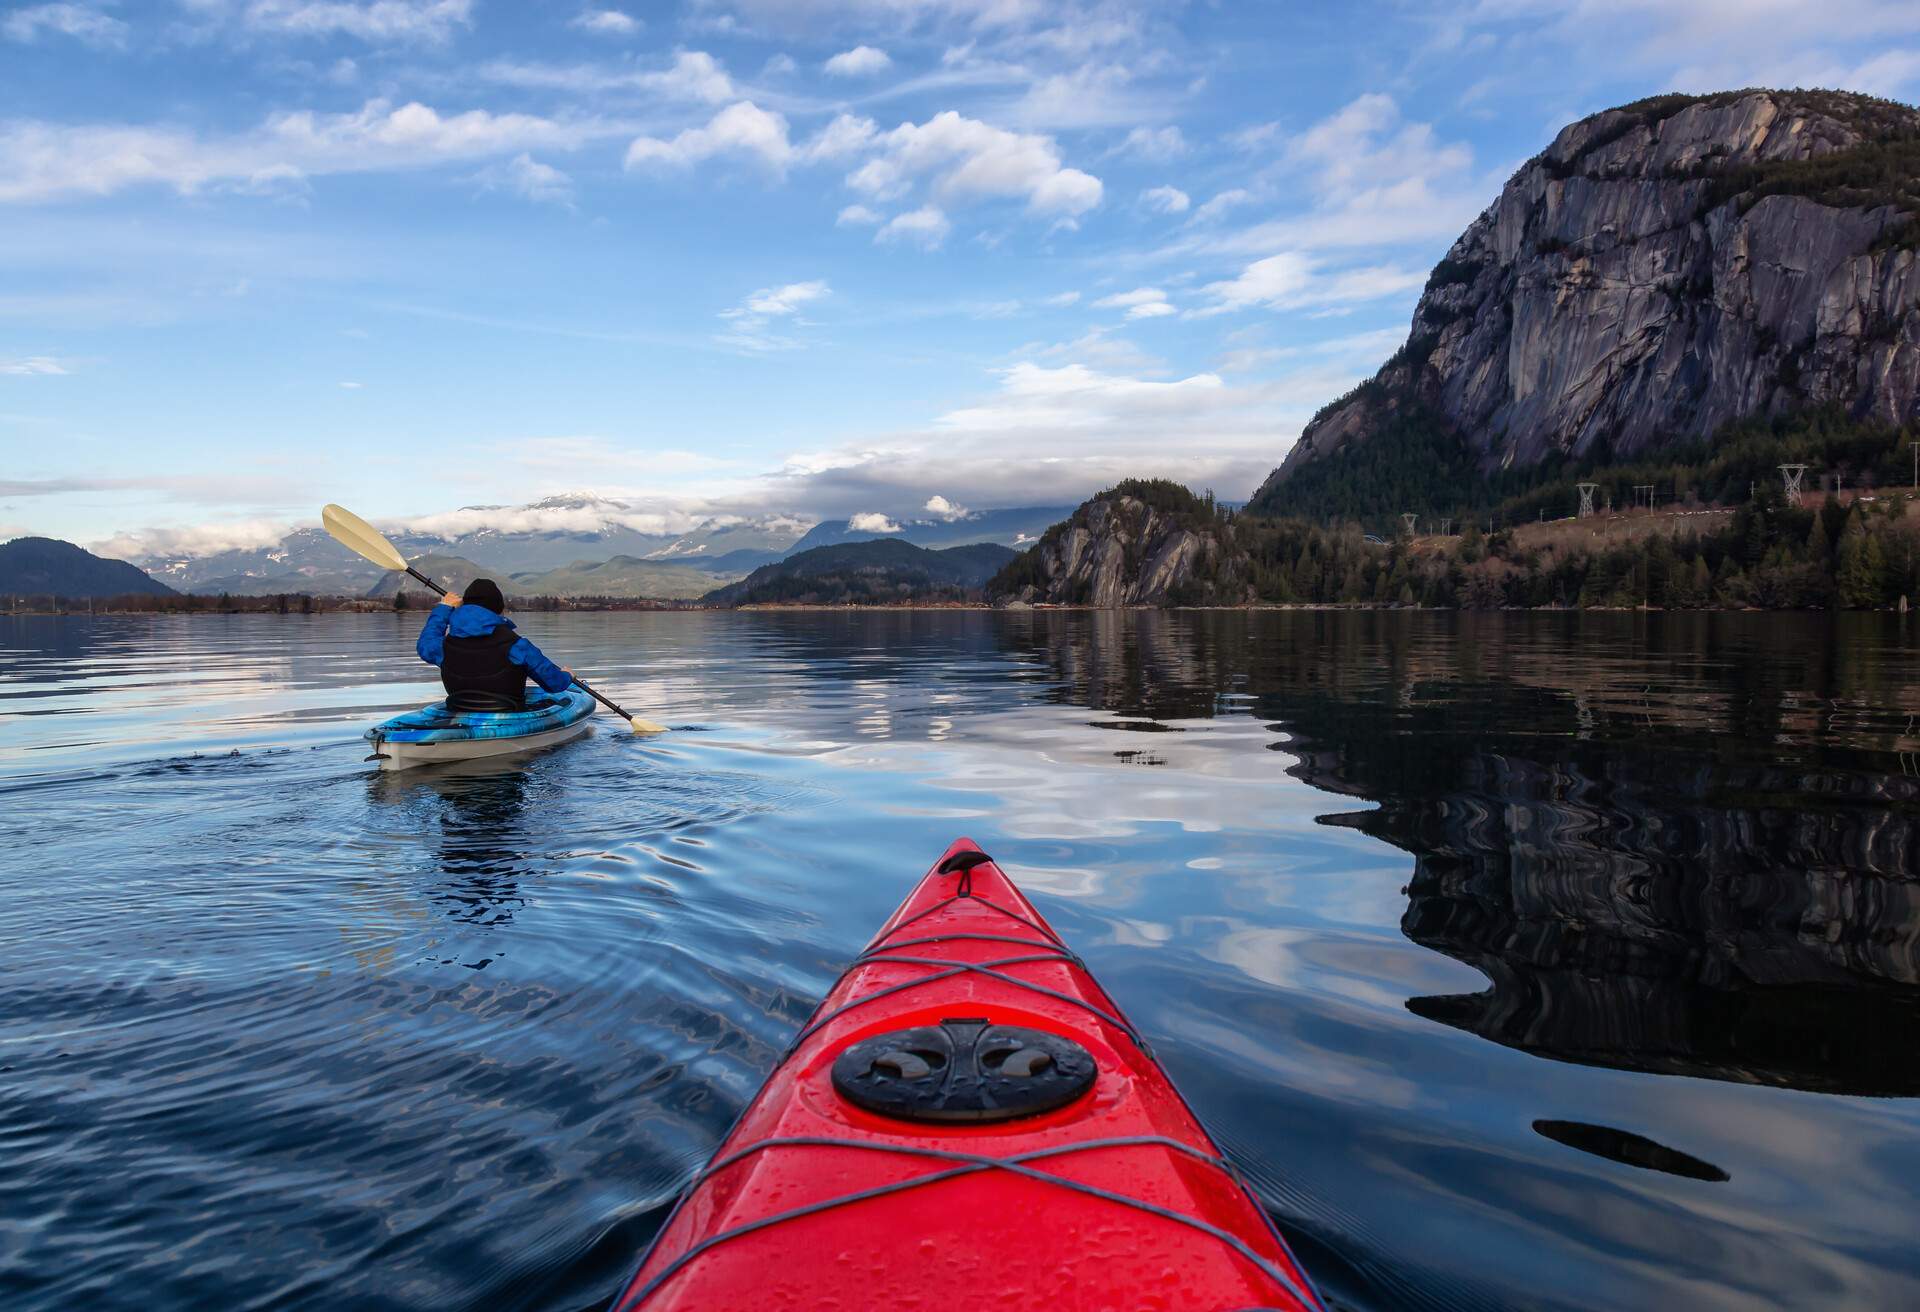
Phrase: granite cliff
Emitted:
{"points": [[1657, 273], [1143, 542]]}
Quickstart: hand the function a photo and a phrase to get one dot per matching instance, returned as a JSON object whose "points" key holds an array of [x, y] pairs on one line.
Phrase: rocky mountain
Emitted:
{"points": [[1144, 542], [450, 572], [1016, 527], [882, 572], [48, 567], [549, 534], [735, 542], [1658, 272]]}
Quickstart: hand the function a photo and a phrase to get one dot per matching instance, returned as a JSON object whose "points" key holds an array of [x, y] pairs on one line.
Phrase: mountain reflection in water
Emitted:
{"points": [[279, 1031], [1664, 852]]}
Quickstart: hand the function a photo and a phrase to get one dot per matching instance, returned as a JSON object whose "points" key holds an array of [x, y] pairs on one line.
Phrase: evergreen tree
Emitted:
{"points": [[1862, 567]]}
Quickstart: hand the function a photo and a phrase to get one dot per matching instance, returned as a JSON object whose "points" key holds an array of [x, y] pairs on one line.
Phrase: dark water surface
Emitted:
{"points": [[1522, 961]]}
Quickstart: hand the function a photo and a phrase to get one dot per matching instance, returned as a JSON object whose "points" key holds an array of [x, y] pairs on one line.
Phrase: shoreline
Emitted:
{"points": [[646, 607]]}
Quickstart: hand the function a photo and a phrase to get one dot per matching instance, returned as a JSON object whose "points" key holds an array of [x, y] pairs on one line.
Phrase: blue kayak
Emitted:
{"points": [[434, 733]]}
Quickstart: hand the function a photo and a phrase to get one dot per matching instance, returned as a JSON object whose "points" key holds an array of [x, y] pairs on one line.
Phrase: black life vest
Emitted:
{"points": [[478, 676]]}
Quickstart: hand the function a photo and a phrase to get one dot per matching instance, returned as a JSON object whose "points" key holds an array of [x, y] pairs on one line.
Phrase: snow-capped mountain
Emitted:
{"points": [[1018, 527], [547, 534], [578, 529]]}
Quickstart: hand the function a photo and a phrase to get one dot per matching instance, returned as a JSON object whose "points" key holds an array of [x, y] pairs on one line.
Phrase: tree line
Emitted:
{"points": [[1827, 554]]}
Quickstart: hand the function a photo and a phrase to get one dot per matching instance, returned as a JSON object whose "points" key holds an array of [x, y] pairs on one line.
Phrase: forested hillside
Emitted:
{"points": [[1856, 553]]}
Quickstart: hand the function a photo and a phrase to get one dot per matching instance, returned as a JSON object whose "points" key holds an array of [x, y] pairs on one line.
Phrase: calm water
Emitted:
{"points": [[1523, 962]]}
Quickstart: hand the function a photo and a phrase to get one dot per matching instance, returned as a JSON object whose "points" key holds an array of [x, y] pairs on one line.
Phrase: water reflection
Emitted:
{"points": [[1423, 912], [1601, 821], [472, 815], [1629, 1149]]}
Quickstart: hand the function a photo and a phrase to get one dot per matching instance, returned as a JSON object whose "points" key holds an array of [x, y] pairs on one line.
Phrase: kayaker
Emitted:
{"points": [[483, 663]]}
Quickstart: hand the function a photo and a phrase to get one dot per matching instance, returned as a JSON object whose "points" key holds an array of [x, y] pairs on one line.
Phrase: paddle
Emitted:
{"points": [[362, 538]]}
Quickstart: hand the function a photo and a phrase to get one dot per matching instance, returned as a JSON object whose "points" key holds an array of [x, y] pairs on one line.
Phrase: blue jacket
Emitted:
{"points": [[477, 622]]}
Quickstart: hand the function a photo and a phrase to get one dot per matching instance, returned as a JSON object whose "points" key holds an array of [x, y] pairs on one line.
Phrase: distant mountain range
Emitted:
{"points": [[1019, 528], [42, 567], [575, 545], [555, 533], [622, 576], [874, 572]]}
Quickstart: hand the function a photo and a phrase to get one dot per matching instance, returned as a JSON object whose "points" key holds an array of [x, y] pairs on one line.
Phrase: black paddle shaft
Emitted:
{"points": [[578, 682]]}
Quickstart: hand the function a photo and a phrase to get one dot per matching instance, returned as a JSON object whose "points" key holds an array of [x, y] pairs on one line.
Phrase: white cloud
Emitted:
{"points": [[748, 322], [1156, 144], [39, 161], [925, 227], [1714, 43], [31, 366], [945, 509], [1364, 147], [607, 22], [1052, 435], [1220, 204], [574, 512], [856, 216], [1072, 396], [352, 387], [1099, 348], [844, 137], [1254, 138], [1360, 349], [960, 159], [1030, 18], [780, 65], [428, 21], [1089, 95], [1166, 200], [872, 522], [776, 301], [1291, 280], [1062, 299], [164, 543], [971, 160], [84, 24], [1140, 303], [529, 179], [694, 75], [1370, 179], [861, 61], [739, 129]]}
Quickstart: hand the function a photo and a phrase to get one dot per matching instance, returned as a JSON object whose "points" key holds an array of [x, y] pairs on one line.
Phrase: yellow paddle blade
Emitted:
{"points": [[646, 726], [355, 534]]}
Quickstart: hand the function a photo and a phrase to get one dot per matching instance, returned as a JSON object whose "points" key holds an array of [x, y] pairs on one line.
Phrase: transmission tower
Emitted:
{"points": [[1586, 498], [1791, 476], [1643, 495], [1446, 526], [1410, 520]]}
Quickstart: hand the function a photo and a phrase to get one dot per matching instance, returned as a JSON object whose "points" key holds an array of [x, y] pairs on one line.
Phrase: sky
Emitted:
{"points": [[749, 256]]}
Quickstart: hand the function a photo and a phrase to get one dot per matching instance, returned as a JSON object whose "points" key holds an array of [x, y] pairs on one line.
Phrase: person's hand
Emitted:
{"points": [[451, 599]]}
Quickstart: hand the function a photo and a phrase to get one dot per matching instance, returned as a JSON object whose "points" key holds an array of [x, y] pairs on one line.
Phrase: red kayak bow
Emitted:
{"points": [[968, 1121]]}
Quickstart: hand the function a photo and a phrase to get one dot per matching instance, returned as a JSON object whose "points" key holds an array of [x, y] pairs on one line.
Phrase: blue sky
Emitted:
{"points": [[734, 256]]}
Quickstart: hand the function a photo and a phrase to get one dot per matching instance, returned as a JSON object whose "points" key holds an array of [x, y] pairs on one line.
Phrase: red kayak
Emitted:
{"points": [[968, 1122]]}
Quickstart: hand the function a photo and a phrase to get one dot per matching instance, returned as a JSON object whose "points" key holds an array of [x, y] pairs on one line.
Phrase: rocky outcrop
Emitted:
{"points": [[1145, 544], [1658, 271]]}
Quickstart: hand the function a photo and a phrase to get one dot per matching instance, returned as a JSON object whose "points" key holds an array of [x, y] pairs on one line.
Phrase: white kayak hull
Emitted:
{"points": [[406, 756]]}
